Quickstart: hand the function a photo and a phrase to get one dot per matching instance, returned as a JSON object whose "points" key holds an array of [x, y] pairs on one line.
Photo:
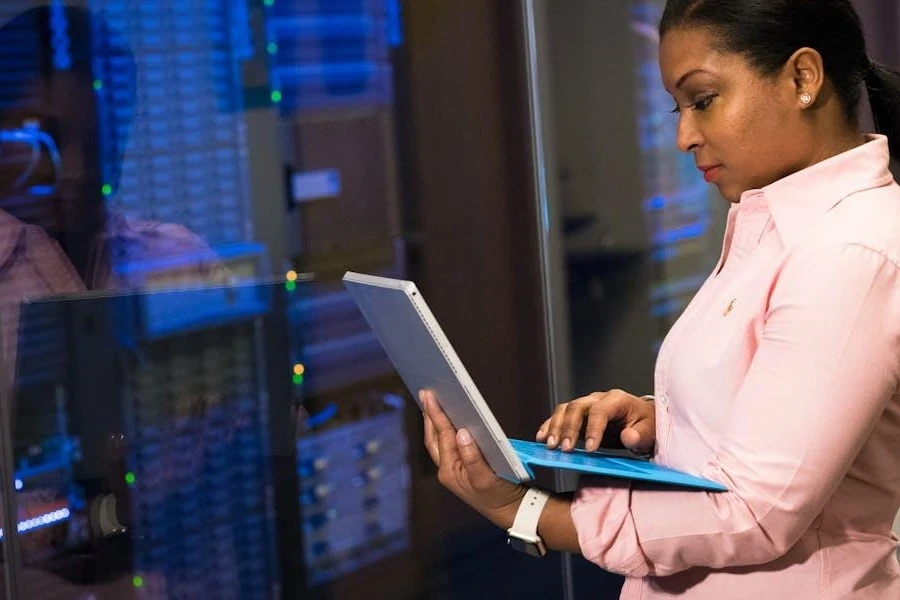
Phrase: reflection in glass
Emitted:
{"points": [[144, 455], [680, 207], [212, 438]]}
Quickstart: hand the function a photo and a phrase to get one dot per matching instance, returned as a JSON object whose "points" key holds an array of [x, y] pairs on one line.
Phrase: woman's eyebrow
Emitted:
{"points": [[688, 75]]}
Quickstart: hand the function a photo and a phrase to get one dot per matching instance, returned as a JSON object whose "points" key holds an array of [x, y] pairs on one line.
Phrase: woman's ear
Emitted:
{"points": [[805, 72]]}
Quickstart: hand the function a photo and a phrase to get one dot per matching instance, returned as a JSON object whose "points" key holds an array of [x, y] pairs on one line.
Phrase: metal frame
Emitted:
{"points": [[553, 273]]}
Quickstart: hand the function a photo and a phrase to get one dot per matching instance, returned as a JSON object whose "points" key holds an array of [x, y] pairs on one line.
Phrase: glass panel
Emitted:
{"points": [[684, 214], [638, 230], [169, 457], [145, 458], [177, 429]]}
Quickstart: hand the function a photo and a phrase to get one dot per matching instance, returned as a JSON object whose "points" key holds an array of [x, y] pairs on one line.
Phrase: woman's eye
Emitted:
{"points": [[703, 103], [700, 105]]}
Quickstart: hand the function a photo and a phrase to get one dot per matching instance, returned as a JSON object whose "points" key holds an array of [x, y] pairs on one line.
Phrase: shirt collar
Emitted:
{"points": [[796, 199]]}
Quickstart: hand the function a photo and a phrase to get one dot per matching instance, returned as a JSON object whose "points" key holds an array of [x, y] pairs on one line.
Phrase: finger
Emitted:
{"points": [[597, 421], [481, 477], [431, 444], [430, 435], [444, 430], [556, 421], [611, 407], [543, 430], [573, 421], [639, 438]]}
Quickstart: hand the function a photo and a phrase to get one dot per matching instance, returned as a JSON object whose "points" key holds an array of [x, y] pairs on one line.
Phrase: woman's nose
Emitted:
{"points": [[688, 135]]}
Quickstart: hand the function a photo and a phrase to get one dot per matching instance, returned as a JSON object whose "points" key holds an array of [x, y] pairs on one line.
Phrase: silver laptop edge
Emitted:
{"points": [[440, 339]]}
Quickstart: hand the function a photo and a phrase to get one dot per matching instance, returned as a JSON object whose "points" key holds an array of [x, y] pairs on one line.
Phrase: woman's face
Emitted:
{"points": [[742, 127]]}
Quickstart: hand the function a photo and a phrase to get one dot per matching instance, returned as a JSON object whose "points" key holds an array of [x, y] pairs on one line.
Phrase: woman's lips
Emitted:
{"points": [[710, 173]]}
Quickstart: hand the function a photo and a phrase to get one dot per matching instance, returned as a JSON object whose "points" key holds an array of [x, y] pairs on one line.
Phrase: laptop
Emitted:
{"points": [[424, 359]]}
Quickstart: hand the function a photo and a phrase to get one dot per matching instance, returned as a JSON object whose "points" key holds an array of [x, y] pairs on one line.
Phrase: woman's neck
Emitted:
{"points": [[840, 141]]}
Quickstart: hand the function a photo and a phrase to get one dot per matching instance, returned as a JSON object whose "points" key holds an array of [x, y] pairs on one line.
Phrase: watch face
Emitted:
{"points": [[536, 549]]}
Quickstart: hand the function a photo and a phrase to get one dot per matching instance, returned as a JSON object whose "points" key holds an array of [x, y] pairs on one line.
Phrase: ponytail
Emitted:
{"points": [[883, 85]]}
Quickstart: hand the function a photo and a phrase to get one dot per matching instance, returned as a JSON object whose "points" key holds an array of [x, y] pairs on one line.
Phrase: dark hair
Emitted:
{"points": [[30, 33], [768, 32]]}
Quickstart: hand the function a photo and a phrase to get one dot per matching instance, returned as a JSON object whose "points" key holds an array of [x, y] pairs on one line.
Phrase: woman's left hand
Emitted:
{"points": [[463, 470]]}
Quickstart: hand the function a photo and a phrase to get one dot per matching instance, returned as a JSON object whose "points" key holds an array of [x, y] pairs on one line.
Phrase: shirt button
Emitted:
{"points": [[663, 400]]}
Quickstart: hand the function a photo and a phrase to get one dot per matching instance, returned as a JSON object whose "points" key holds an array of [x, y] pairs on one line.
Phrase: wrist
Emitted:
{"points": [[504, 516], [523, 534]]}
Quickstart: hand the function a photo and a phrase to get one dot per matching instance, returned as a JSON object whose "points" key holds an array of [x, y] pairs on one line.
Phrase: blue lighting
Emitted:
{"points": [[664, 253], [59, 37], [656, 203], [328, 413], [394, 23], [668, 308], [680, 234], [41, 521]]}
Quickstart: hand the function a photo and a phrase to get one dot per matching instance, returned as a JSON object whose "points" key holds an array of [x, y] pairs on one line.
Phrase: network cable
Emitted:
{"points": [[32, 135]]}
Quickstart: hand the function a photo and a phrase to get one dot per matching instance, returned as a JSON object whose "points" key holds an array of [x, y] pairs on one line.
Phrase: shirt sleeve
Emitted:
{"points": [[825, 369]]}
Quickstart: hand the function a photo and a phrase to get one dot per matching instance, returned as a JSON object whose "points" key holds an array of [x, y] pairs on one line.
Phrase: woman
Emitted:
{"points": [[780, 380]]}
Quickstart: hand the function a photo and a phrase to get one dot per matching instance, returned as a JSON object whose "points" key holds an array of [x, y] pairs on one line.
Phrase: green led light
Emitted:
{"points": [[106, 189], [137, 581], [268, 2], [98, 85], [129, 478], [272, 47], [276, 96], [298, 379], [290, 286]]}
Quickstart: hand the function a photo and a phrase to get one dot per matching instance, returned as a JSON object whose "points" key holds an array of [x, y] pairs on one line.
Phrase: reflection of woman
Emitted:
{"points": [[59, 237], [780, 380]]}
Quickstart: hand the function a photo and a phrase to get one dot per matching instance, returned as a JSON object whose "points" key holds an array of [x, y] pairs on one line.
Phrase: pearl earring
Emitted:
{"points": [[805, 98]]}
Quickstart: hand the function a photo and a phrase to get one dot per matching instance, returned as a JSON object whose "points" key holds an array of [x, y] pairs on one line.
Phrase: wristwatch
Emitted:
{"points": [[523, 534]]}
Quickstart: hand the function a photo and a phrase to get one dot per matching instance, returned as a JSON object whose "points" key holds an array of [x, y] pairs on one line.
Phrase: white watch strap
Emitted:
{"points": [[526, 522]]}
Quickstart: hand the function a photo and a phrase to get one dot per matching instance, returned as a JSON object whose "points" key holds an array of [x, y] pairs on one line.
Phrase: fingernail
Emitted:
{"points": [[567, 444], [590, 444], [540, 434], [551, 441], [463, 437]]}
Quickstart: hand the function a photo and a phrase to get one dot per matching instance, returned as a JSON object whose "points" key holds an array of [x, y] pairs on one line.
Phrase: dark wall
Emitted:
{"points": [[478, 256], [472, 229]]}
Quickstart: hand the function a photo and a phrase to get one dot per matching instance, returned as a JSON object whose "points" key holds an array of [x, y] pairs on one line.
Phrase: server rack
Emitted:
{"points": [[332, 78], [171, 148]]}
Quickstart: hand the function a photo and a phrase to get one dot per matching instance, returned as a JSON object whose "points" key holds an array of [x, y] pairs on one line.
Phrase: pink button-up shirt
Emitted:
{"points": [[780, 380]]}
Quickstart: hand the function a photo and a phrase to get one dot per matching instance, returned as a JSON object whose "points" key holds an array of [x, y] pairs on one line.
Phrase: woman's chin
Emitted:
{"points": [[731, 194]]}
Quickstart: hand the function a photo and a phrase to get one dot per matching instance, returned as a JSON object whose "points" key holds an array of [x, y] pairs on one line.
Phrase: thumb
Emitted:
{"points": [[480, 473], [639, 438]]}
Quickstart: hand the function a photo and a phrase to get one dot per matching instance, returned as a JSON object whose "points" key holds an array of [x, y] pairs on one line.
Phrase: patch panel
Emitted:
{"points": [[354, 494]]}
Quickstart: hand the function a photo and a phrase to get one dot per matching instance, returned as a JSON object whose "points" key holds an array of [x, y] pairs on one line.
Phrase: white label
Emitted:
{"points": [[315, 185]]}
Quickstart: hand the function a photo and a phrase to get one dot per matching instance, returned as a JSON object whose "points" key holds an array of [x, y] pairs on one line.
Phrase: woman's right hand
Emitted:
{"points": [[633, 417]]}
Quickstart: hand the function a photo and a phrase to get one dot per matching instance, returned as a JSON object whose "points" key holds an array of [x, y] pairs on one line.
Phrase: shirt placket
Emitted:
{"points": [[742, 236]]}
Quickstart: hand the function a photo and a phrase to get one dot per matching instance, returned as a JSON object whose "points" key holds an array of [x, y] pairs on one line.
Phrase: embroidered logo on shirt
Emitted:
{"points": [[730, 307]]}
